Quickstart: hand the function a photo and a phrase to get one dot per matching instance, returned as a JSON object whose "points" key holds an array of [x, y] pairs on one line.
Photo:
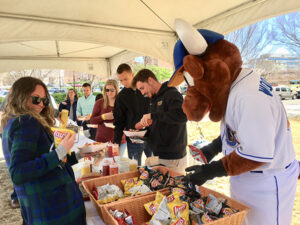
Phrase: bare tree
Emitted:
{"points": [[12, 76], [147, 61], [287, 31], [264, 66], [251, 40]]}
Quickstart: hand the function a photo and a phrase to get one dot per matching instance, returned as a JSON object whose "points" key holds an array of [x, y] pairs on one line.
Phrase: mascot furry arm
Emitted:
{"points": [[209, 72]]}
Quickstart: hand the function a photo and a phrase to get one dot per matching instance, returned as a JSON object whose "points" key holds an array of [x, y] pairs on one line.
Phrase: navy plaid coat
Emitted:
{"points": [[47, 193]]}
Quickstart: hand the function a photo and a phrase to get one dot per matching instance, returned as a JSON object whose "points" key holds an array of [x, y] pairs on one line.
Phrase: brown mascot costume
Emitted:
{"points": [[255, 134]]}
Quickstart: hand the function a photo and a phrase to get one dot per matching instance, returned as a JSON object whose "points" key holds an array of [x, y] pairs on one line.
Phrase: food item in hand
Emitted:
{"points": [[59, 134], [140, 126], [64, 118]]}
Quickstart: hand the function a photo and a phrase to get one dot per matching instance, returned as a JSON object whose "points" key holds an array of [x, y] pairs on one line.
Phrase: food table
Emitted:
{"points": [[97, 213], [92, 216]]}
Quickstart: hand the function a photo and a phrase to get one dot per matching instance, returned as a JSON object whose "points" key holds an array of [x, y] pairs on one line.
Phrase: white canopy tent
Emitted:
{"points": [[95, 36]]}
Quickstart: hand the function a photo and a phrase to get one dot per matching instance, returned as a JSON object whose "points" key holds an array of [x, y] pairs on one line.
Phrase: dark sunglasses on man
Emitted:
{"points": [[37, 100], [110, 90]]}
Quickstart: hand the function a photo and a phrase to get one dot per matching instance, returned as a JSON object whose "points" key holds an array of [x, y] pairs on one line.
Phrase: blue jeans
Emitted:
{"points": [[135, 151], [147, 150]]}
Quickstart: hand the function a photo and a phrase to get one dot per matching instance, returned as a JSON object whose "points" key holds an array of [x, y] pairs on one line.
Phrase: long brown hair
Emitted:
{"points": [[105, 98], [75, 97], [17, 103]]}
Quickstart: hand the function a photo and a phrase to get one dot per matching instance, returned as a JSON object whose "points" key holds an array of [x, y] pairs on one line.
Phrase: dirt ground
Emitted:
{"points": [[210, 131]]}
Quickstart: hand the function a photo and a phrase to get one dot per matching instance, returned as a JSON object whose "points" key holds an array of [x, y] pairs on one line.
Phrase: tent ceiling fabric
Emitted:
{"points": [[73, 35]]}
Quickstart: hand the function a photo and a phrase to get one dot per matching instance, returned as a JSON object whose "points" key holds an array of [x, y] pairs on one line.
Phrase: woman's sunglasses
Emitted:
{"points": [[37, 100], [110, 90]]}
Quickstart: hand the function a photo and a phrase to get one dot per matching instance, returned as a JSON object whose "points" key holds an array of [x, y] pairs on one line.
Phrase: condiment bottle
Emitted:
{"points": [[105, 168], [123, 166], [109, 150], [86, 167], [115, 150], [113, 168], [133, 165]]}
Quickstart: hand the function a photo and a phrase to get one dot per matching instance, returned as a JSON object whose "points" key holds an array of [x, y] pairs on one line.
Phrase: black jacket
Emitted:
{"points": [[130, 106], [168, 134]]}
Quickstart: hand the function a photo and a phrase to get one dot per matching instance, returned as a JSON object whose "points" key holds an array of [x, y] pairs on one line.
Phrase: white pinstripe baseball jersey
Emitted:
{"points": [[255, 123]]}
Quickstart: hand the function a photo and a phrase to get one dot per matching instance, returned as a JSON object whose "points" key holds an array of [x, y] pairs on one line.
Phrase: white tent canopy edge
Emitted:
{"points": [[22, 28]]}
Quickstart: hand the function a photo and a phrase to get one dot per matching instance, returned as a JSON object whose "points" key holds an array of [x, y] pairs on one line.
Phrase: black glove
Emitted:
{"points": [[205, 172], [212, 149]]}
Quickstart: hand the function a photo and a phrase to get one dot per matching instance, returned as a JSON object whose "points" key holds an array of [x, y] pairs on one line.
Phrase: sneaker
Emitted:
{"points": [[15, 203]]}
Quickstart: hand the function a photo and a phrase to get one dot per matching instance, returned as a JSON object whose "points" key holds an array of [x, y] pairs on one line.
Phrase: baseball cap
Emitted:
{"points": [[191, 42]]}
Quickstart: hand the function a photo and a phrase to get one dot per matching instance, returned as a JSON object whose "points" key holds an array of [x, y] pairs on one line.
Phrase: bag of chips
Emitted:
{"points": [[151, 207], [59, 134]]}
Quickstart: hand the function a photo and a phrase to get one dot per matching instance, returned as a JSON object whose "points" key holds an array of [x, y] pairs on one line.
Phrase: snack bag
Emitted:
{"points": [[179, 209], [195, 150], [107, 193], [227, 211], [213, 204], [59, 134], [129, 183], [206, 218], [179, 221], [151, 207], [138, 189], [198, 206], [178, 191], [162, 215]]}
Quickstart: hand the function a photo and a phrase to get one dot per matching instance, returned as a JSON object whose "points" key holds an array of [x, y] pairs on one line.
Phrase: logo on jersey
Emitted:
{"points": [[231, 138], [265, 87]]}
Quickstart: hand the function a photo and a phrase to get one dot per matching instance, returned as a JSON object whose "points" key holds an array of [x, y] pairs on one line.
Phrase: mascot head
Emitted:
{"points": [[208, 64]]}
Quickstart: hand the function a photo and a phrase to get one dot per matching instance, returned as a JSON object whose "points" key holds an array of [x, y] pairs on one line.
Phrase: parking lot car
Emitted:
{"points": [[59, 91], [285, 92], [3, 93], [298, 94]]}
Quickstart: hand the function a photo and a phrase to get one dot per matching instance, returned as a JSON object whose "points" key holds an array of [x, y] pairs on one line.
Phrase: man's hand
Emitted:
{"points": [[87, 116], [145, 118]]}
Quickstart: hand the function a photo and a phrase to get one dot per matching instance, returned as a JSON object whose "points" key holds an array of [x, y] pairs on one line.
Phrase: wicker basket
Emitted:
{"points": [[136, 208], [116, 180]]}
